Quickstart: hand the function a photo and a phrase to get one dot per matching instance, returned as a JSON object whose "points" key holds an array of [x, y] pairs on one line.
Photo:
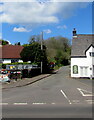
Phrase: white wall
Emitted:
{"points": [[7, 61], [20, 61], [83, 62], [80, 62], [90, 59]]}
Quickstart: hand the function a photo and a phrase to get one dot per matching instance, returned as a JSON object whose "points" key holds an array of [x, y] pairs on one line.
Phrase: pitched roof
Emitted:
{"points": [[81, 43], [10, 51]]}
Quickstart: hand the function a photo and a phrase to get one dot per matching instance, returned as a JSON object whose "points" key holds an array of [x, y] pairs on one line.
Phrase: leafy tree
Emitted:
{"points": [[18, 43], [58, 49], [34, 38], [25, 45], [34, 54], [4, 42]]}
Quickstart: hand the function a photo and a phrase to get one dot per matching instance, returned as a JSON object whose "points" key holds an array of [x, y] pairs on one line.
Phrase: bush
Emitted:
{"points": [[4, 66]]}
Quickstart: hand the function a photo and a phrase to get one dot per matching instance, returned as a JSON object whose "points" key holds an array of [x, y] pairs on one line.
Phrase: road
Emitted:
{"points": [[57, 96]]}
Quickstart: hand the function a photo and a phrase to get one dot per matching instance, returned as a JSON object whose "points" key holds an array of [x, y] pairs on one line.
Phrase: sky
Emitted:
{"points": [[20, 20]]}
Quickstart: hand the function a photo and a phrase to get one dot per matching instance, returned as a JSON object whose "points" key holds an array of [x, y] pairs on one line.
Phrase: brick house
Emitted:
{"points": [[82, 55], [10, 53]]}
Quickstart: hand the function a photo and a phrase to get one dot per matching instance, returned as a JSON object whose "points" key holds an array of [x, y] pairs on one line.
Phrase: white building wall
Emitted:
{"points": [[6, 61], [83, 64], [20, 61], [91, 59], [80, 62]]}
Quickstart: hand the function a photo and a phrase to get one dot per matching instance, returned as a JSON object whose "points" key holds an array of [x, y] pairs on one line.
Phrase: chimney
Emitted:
{"points": [[74, 33]]}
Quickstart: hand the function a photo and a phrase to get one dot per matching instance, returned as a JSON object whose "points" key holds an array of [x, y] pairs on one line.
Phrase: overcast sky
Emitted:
{"points": [[20, 20]]}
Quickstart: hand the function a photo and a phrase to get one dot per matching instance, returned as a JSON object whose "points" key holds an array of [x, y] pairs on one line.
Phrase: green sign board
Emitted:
{"points": [[75, 69]]}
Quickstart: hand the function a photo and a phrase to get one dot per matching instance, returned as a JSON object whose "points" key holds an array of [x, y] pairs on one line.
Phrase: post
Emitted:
{"points": [[41, 49]]}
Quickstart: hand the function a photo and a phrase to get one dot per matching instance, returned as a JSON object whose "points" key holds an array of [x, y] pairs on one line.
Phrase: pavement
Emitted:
{"points": [[25, 81]]}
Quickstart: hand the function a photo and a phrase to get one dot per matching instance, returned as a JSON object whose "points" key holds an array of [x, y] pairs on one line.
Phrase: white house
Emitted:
{"points": [[82, 55], [10, 53]]}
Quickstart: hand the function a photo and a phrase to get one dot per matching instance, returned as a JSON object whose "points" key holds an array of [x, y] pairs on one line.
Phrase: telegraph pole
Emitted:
{"points": [[41, 49]]}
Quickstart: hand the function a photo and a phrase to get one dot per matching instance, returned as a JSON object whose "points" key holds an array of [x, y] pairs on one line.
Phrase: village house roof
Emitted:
{"points": [[10, 51], [80, 43]]}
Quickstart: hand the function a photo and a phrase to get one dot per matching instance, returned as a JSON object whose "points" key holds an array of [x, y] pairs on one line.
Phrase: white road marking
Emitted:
{"points": [[66, 97], [83, 94], [90, 101], [38, 103], [76, 101], [53, 103], [19, 103], [3, 103]]}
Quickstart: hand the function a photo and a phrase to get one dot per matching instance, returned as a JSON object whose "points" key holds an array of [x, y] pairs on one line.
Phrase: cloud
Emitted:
{"points": [[20, 29], [47, 31], [37, 12], [62, 27], [28, 13]]}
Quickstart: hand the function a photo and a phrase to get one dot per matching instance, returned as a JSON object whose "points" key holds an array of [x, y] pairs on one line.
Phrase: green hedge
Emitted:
{"points": [[0, 65]]}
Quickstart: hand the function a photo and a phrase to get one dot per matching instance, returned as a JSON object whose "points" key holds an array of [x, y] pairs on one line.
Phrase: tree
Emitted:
{"points": [[34, 38], [58, 50], [18, 43], [34, 54], [4, 42], [25, 45]]}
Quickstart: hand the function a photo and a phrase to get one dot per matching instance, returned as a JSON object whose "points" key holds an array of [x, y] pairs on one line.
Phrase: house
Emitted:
{"points": [[82, 55], [10, 53]]}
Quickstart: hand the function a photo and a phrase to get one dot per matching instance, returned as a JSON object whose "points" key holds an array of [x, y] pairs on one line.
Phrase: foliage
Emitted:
{"points": [[4, 66], [34, 54], [34, 38], [0, 65], [18, 43], [4, 42], [25, 45], [58, 50]]}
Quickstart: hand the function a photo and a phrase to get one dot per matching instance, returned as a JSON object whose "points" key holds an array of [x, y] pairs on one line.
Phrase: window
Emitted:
{"points": [[14, 60], [84, 71], [91, 54], [75, 69]]}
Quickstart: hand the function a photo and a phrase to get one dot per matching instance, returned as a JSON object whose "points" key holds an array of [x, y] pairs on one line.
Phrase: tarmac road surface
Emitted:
{"points": [[57, 96]]}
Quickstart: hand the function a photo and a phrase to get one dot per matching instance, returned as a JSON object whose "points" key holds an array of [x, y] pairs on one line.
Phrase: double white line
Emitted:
{"points": [[3, 103], [14, 104], [19, 103]]}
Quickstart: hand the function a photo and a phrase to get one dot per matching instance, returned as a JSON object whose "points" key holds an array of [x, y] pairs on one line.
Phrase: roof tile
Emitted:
{"points": [[10, 51]]}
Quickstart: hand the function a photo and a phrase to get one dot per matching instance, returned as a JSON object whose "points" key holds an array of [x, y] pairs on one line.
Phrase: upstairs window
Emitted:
{"points": [[91, 54]]}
